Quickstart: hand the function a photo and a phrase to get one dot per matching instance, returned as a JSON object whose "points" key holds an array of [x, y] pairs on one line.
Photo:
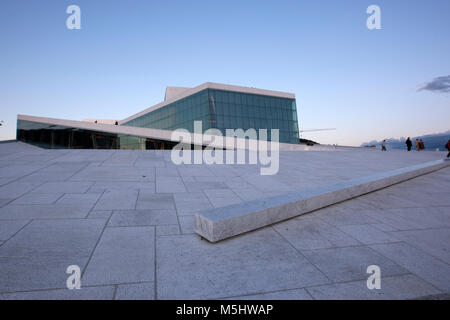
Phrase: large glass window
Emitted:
{"points": [[247, 111], [226, 110]]}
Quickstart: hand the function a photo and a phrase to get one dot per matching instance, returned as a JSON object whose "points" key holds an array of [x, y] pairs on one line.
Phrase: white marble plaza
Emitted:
{"points": [[127, 219]]}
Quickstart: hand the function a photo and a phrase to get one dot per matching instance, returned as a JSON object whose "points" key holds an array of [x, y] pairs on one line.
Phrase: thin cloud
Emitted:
{"points": [[439, 84]]}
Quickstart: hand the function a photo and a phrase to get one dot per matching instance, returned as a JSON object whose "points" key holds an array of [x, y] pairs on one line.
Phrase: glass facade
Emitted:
{"points": [[60, 137], [226, 110]]}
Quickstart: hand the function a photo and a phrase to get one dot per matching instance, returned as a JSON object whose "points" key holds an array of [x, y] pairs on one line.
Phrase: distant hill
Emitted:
{"points": [[431, 141]]}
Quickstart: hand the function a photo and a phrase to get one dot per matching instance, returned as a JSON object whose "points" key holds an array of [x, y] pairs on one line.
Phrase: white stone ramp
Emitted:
{"points": [[225, 222]]}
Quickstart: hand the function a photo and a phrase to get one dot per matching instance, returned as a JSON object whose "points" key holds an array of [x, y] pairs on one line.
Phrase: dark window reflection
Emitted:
{"points": [[60, 137]]}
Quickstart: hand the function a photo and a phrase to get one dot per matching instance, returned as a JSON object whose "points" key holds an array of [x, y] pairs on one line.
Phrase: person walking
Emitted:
{"points": [[408, 144], [416, 144], [448, 148], [383, 146]]}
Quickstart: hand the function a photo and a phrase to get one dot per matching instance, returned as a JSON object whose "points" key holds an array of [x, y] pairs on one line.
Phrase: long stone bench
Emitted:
{"points": [[221, 223]]}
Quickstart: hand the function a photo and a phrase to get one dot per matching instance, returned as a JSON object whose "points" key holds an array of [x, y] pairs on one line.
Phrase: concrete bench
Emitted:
{"points": [[221, 223]]}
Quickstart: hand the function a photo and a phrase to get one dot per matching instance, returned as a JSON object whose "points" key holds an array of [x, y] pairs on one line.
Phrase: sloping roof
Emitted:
{"points": [[172, 92], [199, 139]]}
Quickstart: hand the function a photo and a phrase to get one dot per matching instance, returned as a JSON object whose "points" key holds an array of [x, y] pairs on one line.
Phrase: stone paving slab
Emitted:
{"points": [[431, 217], [4, 202], [190, 268], [16, 189], [133, 218], [167, 230], [122, 173], [19, 170], [137, 291], [102, 186], [123, 255], [187, 224], [368, 234], [313, 233], [338, 216], [149, 200], [188, 203], [85, 293], [63, 187], [392, 288], [435, 242], [295, 294], [396, 221], [55, 172], [430, 269], [37, 257], [36, 198], [169, 185], [383, 227], [9, 227], [346, 264], [4, 181], [87, 200], [117, 200], [222, 197], [54, 211], [101, 214]]}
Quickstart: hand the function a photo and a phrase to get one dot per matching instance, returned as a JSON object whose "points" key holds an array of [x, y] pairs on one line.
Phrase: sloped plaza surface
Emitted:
{"points": [[125, 217]]}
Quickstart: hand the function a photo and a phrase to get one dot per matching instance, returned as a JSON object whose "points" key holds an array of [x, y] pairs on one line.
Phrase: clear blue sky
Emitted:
{"points": [[365, 83]]}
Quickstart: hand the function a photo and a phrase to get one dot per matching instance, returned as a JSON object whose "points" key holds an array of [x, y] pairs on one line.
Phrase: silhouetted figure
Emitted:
{"points": [[416, 144], [383, 146], [95, 121], [448, 148], [408, 144], [117, 123]]}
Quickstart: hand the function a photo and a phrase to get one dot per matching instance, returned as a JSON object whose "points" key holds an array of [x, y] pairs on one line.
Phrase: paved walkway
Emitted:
{"points": [[126, 219]]}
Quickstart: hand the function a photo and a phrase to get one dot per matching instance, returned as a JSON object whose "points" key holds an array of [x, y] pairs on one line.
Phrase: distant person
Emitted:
{"points": [[95, 121], [383, 146], [421, 145], [447, 146], [408, 144], [416, 144], [117, 123]]}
